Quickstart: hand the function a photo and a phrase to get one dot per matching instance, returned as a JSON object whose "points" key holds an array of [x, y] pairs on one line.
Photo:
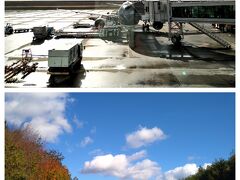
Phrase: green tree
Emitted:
{"points": [[219, 170]]}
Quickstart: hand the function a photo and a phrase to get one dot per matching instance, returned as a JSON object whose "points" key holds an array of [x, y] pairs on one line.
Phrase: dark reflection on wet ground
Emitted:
{"points": [[199, 80], [73, 80], [147, 44]]}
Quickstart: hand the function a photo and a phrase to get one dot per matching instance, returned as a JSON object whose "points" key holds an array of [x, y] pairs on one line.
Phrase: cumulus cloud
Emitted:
{"points": [[144, 136], [86, 141], [122, 166], [44, 113], [144, 170], [180, 172]]}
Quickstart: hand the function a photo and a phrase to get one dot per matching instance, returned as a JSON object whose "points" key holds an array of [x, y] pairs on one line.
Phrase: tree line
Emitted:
{"points": [[220, 170], [27, 159]]}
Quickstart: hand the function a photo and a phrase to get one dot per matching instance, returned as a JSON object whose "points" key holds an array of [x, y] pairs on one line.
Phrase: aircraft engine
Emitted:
{"points": [[157, 25], [128, 14], [99, 23]]}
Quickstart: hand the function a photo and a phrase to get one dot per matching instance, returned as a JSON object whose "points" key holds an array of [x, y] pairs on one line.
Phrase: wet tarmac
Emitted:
{"points": [[153, 62]]}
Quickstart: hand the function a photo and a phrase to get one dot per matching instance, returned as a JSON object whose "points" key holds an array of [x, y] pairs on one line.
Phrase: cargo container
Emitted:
{"points": [[42, 32], [65, 60]]}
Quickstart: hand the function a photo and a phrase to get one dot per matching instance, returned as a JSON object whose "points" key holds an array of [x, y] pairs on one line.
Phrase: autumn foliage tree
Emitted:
{"points": [[27, 159]]}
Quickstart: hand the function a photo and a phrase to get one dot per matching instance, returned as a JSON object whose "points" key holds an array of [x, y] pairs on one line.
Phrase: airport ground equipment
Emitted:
{"points": [[42, 32], [23, 66], [178, 12], [110, 20], [68, 34], [81, 25], [8, 29], [22, 30], [65, 61], [112, 33]]}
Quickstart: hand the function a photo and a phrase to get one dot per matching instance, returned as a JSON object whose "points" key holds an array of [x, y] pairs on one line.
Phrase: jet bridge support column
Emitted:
{"points": [[175, 29], [176, 32]]}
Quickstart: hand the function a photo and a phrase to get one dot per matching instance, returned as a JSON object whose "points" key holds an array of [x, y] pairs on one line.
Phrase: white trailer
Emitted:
{"points": [[65, 61]]}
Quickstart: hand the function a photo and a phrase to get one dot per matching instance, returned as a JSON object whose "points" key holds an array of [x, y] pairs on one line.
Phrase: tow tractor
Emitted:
{"points": [[8, 29]]}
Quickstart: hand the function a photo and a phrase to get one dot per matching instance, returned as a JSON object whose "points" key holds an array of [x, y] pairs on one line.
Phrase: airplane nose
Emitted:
{"points": [[127, 15]]}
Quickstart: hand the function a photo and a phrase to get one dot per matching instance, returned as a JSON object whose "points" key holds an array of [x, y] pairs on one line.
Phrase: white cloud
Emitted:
{"points": [[144, 136], [86, 141], [44, 113], [121, 166], [138, 155], [144, 170], [205, 165], [78, 123], [180, 172]]}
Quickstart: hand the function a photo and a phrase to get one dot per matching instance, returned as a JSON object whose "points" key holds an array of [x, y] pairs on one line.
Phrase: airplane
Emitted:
{"points": [[130, 13], [126, 15], [150, 12]]}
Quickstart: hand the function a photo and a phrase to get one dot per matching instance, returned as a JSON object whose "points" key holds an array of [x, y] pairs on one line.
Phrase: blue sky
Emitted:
{"points": [[160, 131]]}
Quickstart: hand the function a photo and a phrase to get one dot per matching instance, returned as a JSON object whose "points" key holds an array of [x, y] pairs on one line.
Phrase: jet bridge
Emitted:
{"points": [[200, 11], [203, 11], [177, 12]]}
